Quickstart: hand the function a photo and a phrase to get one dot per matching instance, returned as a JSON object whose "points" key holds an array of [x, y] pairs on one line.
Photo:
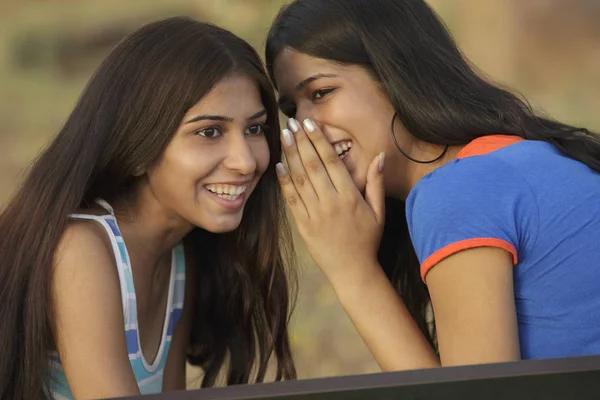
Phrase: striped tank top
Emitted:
{"points": [[148, 376]]}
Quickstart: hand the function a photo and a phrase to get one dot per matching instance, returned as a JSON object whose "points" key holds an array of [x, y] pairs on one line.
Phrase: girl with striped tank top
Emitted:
{"points": [[147, 234]]}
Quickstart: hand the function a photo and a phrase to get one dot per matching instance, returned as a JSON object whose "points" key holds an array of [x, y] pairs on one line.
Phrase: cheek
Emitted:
{"points": [[347, 111], [349, 116], [195, 161], [182, 164], [369, 122]]}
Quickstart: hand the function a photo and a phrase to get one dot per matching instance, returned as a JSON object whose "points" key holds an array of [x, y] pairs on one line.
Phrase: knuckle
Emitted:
{"points": [[293, 200], [319, 138], [313, 165], [300, 136], [350, 201], [330, 208], [332, 158], [285, 179], [300, 180]]}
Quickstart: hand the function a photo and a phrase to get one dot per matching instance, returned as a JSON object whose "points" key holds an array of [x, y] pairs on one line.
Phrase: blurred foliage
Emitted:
{"points": [[548, 50]]}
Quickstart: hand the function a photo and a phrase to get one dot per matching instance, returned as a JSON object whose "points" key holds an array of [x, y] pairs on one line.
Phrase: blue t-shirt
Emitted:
{"points": [[541, 206]]}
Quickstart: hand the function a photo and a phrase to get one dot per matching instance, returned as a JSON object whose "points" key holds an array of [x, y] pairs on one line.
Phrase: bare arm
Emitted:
{"points": [[175, 368], [384, 323], [89, 316], [473, 301]]}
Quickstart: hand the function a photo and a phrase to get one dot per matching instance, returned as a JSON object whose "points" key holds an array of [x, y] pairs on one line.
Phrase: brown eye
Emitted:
{"points": [[319, 94], [256, 130], [212, 132]]}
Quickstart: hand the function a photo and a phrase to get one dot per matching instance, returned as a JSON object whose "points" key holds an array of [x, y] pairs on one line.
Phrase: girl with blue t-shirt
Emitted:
{"points": [[146, 235], [493, 212]]}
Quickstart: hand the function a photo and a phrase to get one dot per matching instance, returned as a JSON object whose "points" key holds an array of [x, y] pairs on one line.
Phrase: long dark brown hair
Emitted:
{"points": [[124, 119], [437, 95]]}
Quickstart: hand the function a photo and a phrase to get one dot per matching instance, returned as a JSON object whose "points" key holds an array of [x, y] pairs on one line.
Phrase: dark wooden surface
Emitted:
{"points": [[569, 378]]}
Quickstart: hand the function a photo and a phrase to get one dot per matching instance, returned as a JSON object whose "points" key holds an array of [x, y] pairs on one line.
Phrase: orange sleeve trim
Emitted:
{"points": [[487, 144], [456, 247]]}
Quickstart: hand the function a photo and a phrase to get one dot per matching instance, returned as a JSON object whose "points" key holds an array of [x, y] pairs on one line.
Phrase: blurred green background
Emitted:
{"points": [[549, 50]]}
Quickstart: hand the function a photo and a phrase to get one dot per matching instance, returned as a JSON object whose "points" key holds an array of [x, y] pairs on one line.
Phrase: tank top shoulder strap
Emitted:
{"points": [[104, 204], [109, 223], [178, 283], [180, 268], [179, 254]]}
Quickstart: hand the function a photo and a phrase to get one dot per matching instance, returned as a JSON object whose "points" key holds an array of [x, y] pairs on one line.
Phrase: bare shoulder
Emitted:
{"points": [[89, 319], [84, 235], [85, 270], [84, 252]]}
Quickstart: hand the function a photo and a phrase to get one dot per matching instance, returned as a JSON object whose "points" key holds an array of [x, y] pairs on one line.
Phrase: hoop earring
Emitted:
{"points": [[409, 157]]}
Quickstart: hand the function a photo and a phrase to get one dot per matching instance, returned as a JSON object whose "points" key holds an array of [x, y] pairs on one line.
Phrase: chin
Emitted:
{"points": [[221, 223]]}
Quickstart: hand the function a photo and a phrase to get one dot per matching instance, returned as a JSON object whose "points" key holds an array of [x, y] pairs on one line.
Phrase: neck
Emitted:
{"points": [[149, 229], [412, 172]]}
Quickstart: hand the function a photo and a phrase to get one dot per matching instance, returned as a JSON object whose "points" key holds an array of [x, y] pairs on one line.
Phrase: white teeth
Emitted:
{"points": [[343, 147], [229, 192]]}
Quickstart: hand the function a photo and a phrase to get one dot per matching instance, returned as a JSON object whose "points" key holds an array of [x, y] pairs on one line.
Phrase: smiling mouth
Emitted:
{"points": [[227, 191], [342, 148]]}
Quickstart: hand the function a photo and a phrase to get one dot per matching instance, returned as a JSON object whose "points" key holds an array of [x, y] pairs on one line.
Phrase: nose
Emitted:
{"points": [[239, 156]]}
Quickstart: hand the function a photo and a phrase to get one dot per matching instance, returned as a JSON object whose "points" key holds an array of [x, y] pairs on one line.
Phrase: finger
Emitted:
{"points": [[338, 173], [296, 171], [313, 165], [290, 193], [375, 191]]}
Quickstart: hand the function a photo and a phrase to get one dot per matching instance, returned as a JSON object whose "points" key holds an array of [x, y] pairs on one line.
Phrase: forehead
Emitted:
{"points": [[291, 67], [235, 96]]}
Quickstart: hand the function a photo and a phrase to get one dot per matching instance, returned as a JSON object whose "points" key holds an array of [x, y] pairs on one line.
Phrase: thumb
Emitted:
{"points": [[374, 191]]}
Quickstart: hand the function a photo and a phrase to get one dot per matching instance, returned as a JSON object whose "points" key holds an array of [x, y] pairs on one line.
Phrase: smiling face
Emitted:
{"points": [[344, 100], [215, 159]]}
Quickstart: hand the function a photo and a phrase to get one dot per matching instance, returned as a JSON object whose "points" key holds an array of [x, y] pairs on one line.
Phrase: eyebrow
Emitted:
{"points": [[282, 100], [223, 118], [313, 78]]}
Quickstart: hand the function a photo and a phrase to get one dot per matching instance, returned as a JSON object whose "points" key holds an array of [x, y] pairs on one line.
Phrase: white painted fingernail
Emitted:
{"points": [[293, 125], [308, 125], [287, 137], [280, 169], [381, 161]]}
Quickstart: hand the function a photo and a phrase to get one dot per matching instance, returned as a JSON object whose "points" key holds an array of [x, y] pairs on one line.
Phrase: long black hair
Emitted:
{"points": [[123, 120], [436, 94]]}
